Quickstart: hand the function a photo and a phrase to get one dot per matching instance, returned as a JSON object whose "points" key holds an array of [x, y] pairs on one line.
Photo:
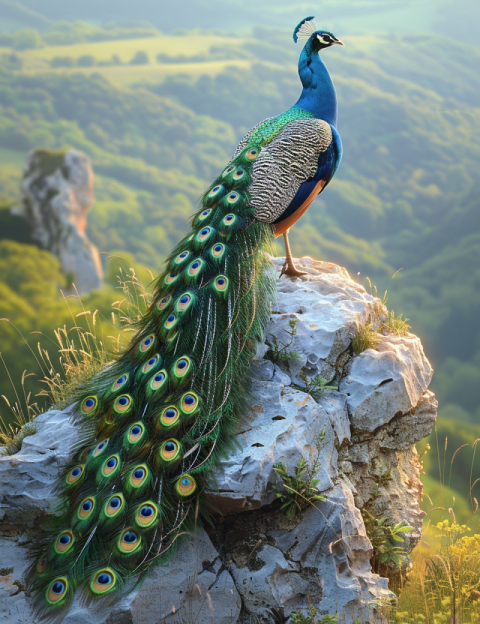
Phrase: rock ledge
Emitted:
{"points": [[254, 560]]}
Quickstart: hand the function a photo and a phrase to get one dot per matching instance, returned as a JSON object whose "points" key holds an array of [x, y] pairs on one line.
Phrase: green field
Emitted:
{"points": [[125, 76], [194, 47]]}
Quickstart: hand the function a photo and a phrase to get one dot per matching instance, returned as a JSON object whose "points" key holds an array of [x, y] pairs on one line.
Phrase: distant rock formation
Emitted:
{"points": [[57, 189], [254, 564]]}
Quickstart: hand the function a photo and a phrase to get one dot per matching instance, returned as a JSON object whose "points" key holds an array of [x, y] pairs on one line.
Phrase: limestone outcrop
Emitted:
{"points": [[254, 562], [57, 191]]}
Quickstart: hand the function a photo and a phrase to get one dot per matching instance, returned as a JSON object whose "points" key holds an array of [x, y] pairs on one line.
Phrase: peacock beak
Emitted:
{"points": [[339, 42]]}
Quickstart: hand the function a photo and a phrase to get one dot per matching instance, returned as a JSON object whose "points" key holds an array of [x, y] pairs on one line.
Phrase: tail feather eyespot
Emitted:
{"points": [[121, 381], [139, 475], [89, 406], [129, 541], [171, 321], [123, 404], [217, 191], [164, 302], [221, 283], [171, 277], [182, 366], [135, 433], [253, 153], [217, 251], [86, 508], [147, 514], [100, 448], [170, 450], [114, 505], [182, 257], [189, 402], [151, 363], [75, 474], [205, 214], [158, 380], [204, 234], [147, 343], [184, 302], [103, 581], [228, 220], [233, 197], [111, 466], [186, 485], [64, 542], [195, 267], [227, 171], [170, 416], [42, 564], [56, 591]]}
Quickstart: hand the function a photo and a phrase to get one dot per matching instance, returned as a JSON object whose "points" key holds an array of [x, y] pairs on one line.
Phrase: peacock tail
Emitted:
{"points": [[157, 420]]}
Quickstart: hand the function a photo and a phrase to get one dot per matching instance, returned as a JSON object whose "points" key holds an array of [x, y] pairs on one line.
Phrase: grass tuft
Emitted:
{"points": [[365, 338], [24, 413], [396, 325]]}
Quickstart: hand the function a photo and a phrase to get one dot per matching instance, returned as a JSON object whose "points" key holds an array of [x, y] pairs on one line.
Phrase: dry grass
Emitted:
{"points": [[396, 325], [24, 413], [83, 349]]}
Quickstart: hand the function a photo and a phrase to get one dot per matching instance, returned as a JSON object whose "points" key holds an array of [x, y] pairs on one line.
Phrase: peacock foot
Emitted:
{"points": [[290, 269]]}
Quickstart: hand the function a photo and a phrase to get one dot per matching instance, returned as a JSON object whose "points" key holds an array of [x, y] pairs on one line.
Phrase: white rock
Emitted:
{"points": [[324, 555], [259, 557], [387, 382], [55, 204], [282, 426], [328, 307]]}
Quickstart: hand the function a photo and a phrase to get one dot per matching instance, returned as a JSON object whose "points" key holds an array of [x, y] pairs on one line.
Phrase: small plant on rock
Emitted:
{"points": [[314, 385], [299, 490], [396, 325], [299, 618], [278, 351], [385, 539], [365, 338]]}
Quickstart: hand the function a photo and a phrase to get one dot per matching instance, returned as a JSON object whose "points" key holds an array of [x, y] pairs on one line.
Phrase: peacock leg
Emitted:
{"points": [[289, 266]]}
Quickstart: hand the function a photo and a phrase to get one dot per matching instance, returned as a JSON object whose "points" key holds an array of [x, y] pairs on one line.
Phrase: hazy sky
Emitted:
{"points": [[455, 18]]}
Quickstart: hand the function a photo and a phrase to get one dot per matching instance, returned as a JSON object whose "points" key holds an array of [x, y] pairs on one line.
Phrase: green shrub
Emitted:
{"points": [[62, 61], [140, 58], [86, 60], [300, 490]]}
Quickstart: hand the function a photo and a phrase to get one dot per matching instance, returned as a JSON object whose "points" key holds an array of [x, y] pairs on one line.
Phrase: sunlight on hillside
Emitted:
{"points": [[158, 100]]}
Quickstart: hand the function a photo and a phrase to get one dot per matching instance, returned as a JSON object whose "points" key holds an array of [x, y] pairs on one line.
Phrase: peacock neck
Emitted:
{"points": [[318, 95]]}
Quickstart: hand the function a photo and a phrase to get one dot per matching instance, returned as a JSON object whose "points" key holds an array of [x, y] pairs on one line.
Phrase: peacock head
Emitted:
{"points": [[317, 39]]}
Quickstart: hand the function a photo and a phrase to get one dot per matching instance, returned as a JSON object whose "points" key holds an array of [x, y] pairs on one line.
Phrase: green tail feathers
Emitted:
{"points": [[158, 419]]}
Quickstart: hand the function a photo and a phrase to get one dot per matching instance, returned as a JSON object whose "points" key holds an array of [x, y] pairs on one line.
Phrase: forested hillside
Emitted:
{"points": [[160, 115]]}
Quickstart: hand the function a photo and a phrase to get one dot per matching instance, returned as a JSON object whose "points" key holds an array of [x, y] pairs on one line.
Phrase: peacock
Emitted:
{"points": [[155, 422]]}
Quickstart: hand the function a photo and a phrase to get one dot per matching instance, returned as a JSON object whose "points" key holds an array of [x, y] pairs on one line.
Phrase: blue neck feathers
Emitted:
{"points": [[318, 94]]}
